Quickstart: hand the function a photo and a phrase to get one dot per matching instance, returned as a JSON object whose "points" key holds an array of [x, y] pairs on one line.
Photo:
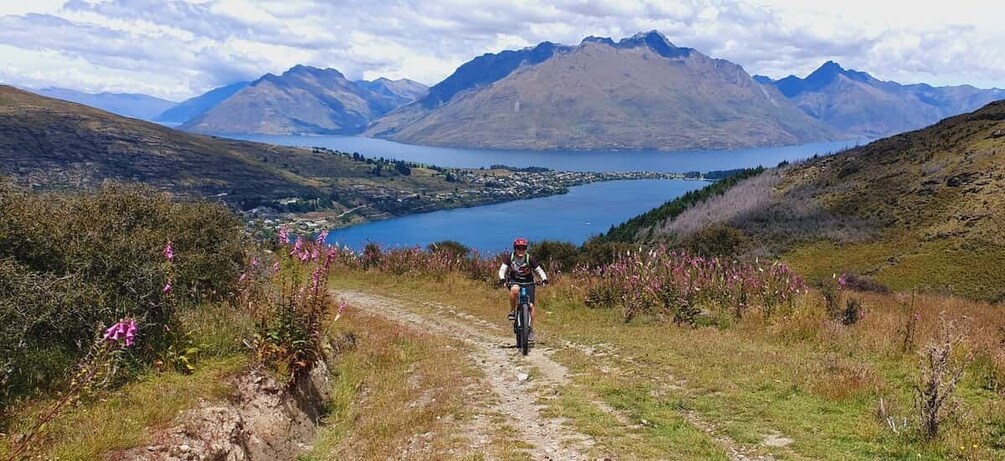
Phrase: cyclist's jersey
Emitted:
{"points": [[521, 269]]}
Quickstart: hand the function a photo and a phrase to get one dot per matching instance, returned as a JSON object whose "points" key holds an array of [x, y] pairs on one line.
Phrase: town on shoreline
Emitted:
{"points": [[475, 187]]}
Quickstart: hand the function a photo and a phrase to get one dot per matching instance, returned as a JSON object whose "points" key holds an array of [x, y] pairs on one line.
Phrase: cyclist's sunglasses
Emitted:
{"points": [[519, 247]]}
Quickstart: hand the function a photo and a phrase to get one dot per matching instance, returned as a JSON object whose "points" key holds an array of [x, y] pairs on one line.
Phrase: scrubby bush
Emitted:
{"points": [[450, 247], [716, 241], [857, 282], [677, 286], [853, 312], [556, 256], [286, 293], [72, 262]]}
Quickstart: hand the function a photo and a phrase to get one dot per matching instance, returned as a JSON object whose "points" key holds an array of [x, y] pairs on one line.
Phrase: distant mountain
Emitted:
{"points": [[138, 106], [194, 107], [859, 105], [401, 89], [922, 209], [303, 100], [639, 93]]}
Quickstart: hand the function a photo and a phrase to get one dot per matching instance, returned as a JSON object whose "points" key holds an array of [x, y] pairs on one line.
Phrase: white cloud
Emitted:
{"points": [[179, 48]]}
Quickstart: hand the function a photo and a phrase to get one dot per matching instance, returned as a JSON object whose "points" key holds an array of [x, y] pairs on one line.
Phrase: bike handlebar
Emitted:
{"points": [[526, 284]]}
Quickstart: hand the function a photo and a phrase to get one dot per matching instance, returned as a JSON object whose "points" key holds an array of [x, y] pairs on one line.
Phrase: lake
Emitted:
{"points": [[573, 217], [684, 161]]}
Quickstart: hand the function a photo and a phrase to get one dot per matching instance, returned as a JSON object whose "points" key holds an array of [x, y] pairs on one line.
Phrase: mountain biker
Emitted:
{"points": [[520, 267]]}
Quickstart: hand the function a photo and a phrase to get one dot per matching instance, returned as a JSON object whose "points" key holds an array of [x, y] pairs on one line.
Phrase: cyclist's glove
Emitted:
{"points": [[500, 282], [544, 282]]}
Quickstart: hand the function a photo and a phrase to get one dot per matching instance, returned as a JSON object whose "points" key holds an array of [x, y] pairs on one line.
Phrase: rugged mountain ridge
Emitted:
{"points": [[860, 105], [193, 107], [642, 92], [303, 100]]}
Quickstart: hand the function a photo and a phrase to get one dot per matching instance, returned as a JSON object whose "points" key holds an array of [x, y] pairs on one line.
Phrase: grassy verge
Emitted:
{"points": [[123, 418], [402, 394], [798, 387]]}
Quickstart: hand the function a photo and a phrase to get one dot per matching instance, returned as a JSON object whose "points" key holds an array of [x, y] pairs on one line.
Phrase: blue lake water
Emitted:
{"points": [[562, 160], [573, 217]]}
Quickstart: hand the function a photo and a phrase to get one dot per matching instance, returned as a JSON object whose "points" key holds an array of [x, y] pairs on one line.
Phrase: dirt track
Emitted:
{"points": [[518, 382]]}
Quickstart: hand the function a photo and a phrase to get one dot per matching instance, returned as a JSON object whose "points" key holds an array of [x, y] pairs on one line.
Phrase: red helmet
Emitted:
{"points": [[520, 242]]}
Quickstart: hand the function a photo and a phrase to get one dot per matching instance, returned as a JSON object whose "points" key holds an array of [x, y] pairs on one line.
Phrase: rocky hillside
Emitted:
{"points": [[639, 93], [304, 100], [921, 209], [859, 105]]}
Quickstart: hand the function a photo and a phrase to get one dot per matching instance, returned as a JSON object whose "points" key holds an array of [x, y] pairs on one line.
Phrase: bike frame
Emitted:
{"points": [[521, 322]]}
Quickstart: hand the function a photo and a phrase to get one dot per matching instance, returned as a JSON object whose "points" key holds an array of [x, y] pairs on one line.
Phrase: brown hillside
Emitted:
{"points": [[921, 209], [51, 143]]}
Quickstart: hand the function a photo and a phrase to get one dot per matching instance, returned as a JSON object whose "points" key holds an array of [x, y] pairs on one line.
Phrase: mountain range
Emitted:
{"points": [[859, 105], [304, 100], [132, 105], [641, 92]]}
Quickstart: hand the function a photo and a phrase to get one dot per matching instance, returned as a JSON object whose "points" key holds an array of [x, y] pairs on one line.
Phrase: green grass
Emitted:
{"points": [[903, 263]]}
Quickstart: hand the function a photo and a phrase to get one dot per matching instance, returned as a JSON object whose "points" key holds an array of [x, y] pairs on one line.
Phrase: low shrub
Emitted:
{"points": [[555, 256], [71, 262]]}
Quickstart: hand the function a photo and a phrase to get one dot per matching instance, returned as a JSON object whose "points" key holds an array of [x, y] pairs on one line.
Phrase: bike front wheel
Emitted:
{"points": [[523, 333]]}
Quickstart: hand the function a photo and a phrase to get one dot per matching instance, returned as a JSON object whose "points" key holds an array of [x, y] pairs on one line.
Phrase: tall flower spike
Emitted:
{"points": [[169, 252]]}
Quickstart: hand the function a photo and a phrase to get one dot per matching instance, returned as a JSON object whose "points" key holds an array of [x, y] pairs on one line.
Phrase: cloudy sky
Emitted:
{"points": [[176, 49]]}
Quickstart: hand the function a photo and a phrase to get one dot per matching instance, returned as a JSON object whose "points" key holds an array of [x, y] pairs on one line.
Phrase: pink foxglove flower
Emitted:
{"points": [[322, 237], [123, 329], [130, 332], [169, 252], [167, 287], [284, 234]]}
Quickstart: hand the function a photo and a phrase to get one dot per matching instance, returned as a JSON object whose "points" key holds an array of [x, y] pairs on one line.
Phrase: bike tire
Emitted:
{"points": [[524, 342]]}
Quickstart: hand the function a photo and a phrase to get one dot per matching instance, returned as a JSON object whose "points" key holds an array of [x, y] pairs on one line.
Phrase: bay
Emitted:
{"points": [[573, 217], [584, 211]]}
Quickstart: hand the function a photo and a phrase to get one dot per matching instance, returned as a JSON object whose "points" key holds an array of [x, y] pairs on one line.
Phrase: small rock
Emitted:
{"points": [[522, 376], [185, 448]]}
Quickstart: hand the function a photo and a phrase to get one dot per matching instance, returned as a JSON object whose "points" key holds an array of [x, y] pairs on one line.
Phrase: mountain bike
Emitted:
{"points": [[521, 321]]}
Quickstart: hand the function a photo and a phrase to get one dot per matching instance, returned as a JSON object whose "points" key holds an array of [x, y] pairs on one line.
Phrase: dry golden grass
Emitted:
{"points": [[404, 394], [800, 374]]}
